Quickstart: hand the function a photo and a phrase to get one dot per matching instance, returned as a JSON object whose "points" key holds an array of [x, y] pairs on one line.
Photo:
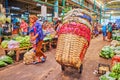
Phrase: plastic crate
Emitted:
{"points": [[103, 68]]}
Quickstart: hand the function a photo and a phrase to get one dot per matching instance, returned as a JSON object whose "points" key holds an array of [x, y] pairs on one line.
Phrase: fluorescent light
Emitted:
{"points": [[16, 8], [38, 4], [111, 12]]}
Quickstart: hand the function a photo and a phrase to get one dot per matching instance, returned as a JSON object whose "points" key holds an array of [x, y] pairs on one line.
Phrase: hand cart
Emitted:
{"points": [[73, 40]]}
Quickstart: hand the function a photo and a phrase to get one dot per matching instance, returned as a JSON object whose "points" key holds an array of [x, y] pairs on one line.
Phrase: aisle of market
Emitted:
{"points": [[50, 70]]}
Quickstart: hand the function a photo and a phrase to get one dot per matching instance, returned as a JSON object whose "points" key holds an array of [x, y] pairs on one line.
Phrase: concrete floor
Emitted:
{"points": [[51, 70]]}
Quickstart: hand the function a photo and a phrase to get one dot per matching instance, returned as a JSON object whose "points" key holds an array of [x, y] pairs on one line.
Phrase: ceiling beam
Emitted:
{"points": [[32, 3]]}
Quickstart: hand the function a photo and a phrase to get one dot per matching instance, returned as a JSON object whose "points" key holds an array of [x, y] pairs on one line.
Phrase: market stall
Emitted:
{"points": [[16, 44]]}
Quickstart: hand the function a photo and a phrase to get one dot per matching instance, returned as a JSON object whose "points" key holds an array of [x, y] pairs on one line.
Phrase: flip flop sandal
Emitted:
{"points": [[43, 59], [35, 62]]}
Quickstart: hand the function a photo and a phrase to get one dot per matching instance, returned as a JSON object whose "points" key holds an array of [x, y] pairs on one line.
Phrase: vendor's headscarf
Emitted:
{"points": [[34, 17]]}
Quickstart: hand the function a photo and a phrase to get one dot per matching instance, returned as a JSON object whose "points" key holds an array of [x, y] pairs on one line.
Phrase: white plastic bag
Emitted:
{"points": [[13, 44]]}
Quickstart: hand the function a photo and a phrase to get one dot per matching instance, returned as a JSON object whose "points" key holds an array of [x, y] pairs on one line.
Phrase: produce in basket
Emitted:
{"points": [[107, 52], [78, 11], [76, 28], [74, 38], [78, 20], [69, 49]]}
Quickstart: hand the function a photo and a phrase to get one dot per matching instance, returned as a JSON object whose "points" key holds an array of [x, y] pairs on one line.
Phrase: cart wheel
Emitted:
{"points": [[80, 69], [63, 68]]}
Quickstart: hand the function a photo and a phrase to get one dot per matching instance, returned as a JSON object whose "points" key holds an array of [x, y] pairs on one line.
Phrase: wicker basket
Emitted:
{"points": [[70, 50]]}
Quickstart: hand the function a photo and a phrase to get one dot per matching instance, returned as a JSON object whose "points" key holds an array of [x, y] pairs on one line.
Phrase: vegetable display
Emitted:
{"points": [[4, 44], [106, 77], [115, 71], [6, 59], [2, 18], [116, 68], [24, 41], [116, 35], [11, 53], [2, 64], [107, 52], [117, 50]]}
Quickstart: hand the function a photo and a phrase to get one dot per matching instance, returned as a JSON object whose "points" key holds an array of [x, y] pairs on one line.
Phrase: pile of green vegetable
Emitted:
{"points": [[115, 71], [107, 52], [11, 53], [106, 77], [117, 50], [116, 35], [5, 60], [24, 41], [4, 44]]}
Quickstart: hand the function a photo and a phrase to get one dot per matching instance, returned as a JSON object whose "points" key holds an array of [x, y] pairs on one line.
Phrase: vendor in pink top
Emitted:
{"points": [[24, 27]]}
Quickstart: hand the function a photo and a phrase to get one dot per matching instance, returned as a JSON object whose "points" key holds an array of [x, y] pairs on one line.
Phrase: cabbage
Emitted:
{"points": [[106, 77], [4, 44], [116, 68], [2, 64], [6, 59], [24, 41], [107, 52], [2, 18]]}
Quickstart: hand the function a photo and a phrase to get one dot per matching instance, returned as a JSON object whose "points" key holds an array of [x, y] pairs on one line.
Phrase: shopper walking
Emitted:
{"points": [[24, 27], [95, 30], [16, 28], [37, 38], [109, 31], [59, 23], [104, 31]]}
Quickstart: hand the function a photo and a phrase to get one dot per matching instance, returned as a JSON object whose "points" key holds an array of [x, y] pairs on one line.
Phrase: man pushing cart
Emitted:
{"points": [[74, 39]]}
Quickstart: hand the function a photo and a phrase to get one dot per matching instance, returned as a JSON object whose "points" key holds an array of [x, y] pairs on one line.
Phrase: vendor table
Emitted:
{"points": [[17, 51]]}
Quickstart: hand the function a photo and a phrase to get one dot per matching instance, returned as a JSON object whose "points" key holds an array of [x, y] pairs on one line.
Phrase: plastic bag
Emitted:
{"points": [[13, 44]]}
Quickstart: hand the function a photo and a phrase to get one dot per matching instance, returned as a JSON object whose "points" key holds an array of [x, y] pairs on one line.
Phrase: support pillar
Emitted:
{"points": [[110, 17], [82, 3], [56, 8], [6, 7], [100, 13], [63, 4], [94, 6]]}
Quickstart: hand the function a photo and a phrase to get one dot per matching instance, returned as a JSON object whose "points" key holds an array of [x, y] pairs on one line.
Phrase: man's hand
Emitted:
{"points": [[34, 37]]}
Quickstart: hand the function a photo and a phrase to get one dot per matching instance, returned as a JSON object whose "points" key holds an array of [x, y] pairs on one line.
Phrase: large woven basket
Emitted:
{"points": [[70, 50]]}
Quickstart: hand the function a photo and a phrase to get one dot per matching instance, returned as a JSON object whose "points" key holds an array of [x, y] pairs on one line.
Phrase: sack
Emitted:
{"points": [[29, 57]]}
